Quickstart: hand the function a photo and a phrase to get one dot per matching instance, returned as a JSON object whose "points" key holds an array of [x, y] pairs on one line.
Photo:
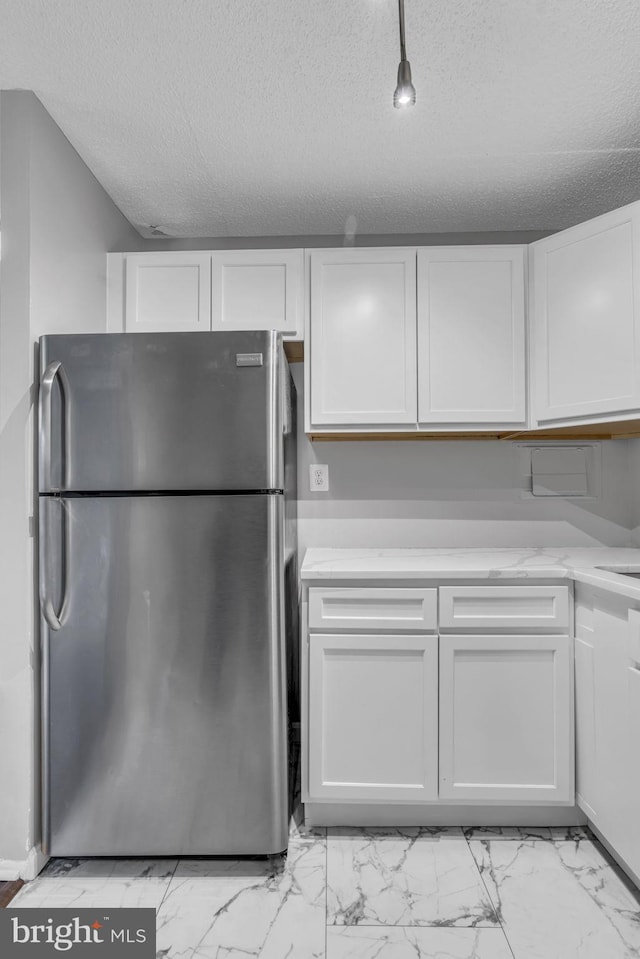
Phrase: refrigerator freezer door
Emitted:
{"points": [[161, 411], [164, 692]]}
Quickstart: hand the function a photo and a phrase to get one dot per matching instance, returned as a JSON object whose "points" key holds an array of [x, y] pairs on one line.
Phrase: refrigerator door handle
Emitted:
{"points": [[54, 371], [52, 618]]}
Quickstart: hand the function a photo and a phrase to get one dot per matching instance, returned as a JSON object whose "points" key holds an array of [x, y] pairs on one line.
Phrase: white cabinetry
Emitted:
{"points": [[378, 684], [586, 319], [373, 698], [633, 699], [363, 337], [505, 718], [166, 292], [453, 355], [257, 290], [485, 608], [471, 335], [608, 719], [219, 290], [586, 745], [373, 717], [367, 608]]}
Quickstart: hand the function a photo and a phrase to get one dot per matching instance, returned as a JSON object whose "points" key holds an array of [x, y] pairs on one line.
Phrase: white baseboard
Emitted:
{"points": [[588, 810], [356, 814], [23, 868]]}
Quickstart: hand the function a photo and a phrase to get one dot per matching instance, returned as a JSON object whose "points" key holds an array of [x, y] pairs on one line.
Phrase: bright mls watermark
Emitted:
{"points": [[80, 933]]}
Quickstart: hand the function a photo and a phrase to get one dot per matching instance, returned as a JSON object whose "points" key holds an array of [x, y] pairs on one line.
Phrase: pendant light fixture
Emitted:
{"points": [[405, 92]]}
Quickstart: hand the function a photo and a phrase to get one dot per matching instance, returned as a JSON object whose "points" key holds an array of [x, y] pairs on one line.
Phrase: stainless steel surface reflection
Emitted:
{"points": [[168, 578], [165, 684], [159, 411]]}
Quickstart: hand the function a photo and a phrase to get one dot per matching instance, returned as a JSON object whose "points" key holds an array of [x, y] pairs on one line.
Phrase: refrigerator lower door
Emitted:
{"points": [[164, 692]]}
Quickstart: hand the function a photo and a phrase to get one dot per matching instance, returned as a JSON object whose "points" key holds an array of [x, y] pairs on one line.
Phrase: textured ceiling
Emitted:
{"points": [[262, 117]]}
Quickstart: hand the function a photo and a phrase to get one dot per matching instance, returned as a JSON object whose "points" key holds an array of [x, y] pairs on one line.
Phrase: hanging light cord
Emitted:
{"points": [[403, 51], [405, 92]]}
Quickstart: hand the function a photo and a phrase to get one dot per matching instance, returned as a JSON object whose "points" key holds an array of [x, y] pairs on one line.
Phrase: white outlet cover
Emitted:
{"points": [[318, 477]]}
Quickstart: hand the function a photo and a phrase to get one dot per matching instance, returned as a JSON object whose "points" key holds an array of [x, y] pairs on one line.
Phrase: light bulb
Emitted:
{"points": [[405, 92]]}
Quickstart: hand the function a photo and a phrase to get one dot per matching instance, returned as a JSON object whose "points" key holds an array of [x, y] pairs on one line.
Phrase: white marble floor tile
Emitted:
{"points": [[560, 900], [98, 882], [404, 877], [558, 833], [426, 942], [246, 908]]}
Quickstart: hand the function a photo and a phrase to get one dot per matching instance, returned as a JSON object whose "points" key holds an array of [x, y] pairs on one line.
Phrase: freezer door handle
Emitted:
{"points": [[52, 618], [54, 371]]}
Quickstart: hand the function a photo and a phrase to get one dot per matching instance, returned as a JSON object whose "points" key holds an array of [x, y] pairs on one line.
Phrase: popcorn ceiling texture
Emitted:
{"points": [[239, 118]]}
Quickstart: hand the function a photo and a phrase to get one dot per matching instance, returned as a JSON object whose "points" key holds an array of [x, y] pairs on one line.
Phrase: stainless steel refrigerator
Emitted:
{"points": [[167, 589]]}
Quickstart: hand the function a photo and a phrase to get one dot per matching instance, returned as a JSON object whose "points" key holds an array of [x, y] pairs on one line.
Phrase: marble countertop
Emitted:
{"points": [[580, 564]]}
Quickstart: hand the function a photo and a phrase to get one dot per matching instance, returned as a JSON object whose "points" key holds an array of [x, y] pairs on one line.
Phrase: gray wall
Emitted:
{"points": [[57, 225], [428, 494], [634, 482]]}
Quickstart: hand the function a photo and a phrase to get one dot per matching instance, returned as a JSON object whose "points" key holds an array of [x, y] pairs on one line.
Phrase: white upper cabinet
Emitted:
{"points": [[363, 337], [220, 290], [586, 319], [257, 290], [471, 335], [167, 291]]}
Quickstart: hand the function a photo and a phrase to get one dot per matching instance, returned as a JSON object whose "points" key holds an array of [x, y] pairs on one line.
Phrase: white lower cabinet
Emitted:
{"points": [[608, 720], [373, 717], [633, 689], [397, 713], [505, 718], [586, 744]]}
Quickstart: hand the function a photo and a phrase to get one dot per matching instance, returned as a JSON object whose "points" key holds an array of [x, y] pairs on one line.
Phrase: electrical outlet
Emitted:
{"points": [[319, 477]]}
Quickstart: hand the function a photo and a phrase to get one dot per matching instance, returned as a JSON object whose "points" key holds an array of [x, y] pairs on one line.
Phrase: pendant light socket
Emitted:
{"points": [[405, 92]]}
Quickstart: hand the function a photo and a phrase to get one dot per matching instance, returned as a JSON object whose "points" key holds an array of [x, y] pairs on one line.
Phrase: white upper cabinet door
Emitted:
{"points": [[363, 337], [167, 292], [471, 335], [257, 290], [373, 717], [506, 718], [586, 319]]}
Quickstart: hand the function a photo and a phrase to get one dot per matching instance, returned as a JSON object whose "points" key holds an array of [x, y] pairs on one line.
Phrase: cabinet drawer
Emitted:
{"points": [[511, 607], [396, 609]]}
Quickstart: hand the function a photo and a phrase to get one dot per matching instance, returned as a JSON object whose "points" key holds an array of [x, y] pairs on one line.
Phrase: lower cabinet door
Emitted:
{"points": [[506, 718], [373, 717], [587, 778], [631, 850]]}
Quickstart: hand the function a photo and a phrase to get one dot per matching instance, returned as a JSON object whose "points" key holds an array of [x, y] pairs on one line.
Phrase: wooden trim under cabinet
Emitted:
{"points": [[294, 350]]}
